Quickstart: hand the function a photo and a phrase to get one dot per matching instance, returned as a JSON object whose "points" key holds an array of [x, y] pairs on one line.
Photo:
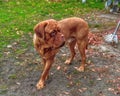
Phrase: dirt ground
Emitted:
{"points": [[20, 67]]}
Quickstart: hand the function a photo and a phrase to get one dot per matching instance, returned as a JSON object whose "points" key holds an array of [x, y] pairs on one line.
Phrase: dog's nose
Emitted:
{"points": [[63, 38]]}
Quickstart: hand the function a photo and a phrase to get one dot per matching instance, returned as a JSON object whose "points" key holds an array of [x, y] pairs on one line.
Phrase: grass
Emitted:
{"points": [[18, 17], [3, 89], [12, 76]]}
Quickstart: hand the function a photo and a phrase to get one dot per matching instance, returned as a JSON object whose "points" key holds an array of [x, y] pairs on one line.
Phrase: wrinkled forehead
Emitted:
{"points": [[52, 25]]}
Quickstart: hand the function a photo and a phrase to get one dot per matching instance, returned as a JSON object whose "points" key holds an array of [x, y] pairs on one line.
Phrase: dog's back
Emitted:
{"points": [[73, 27]]}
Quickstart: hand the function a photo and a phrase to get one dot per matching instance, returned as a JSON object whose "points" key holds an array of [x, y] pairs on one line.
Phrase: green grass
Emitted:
{"points": [[3, 89], [18, 17]]}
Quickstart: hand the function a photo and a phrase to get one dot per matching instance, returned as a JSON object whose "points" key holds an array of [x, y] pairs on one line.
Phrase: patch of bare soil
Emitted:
{"points": [[20, 68]]}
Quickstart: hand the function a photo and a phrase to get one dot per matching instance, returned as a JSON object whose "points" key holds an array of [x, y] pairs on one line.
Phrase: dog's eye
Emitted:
{"points": [[58, 30], [53, 33]]}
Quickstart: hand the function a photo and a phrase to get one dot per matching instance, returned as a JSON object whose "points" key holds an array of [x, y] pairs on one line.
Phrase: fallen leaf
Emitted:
{"points": [[9, 46], [110, 89], [58, 68], [67, 93], [99, 79]]}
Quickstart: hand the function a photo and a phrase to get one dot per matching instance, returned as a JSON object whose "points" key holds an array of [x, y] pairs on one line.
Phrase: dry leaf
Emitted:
{"points": [[58, 68]]}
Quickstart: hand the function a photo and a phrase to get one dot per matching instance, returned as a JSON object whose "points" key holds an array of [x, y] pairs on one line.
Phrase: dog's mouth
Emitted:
{"points": [[60, 45]]}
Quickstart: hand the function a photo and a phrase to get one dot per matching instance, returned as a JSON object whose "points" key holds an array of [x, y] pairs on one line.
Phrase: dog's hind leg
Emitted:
{"points": [[72, 50], [82, 44]]}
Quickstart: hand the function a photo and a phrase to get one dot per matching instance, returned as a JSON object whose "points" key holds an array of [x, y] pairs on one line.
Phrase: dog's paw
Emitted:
{"points": [[40, 85], [80, 69]]}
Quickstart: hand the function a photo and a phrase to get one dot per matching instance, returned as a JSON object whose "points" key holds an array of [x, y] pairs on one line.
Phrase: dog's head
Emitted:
{"points": [[49, 32]]}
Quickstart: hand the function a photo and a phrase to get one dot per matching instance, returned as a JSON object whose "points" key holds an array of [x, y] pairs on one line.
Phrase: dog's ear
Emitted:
{"points": [[39, 29]]}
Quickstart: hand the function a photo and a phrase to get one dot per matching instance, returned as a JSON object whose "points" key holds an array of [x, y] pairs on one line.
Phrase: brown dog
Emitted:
{"points": [[50, 35]]}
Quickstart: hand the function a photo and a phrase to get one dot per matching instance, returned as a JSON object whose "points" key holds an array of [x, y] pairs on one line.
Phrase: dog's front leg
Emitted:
{"points": [[44, 64], [45, 73]]}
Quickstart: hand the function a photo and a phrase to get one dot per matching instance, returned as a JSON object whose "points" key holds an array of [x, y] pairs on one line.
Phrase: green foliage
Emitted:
{"points": [[18, 17]]}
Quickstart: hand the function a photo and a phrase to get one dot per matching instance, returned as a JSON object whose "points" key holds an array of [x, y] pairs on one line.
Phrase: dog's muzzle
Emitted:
{"points": [[62, 44]]}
